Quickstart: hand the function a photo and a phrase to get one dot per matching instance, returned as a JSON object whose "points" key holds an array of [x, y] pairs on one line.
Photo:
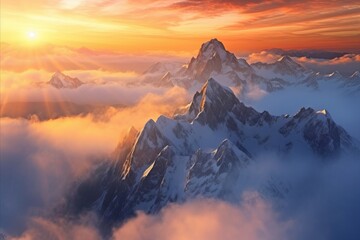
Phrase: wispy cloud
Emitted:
{"points": [[247, 25]]}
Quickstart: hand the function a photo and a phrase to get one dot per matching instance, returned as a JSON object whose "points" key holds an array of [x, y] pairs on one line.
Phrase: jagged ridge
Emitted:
{"points": [[200, 152]]}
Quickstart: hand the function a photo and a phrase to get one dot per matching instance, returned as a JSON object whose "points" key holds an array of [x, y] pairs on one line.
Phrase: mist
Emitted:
{"points": [[322, 198], [40, 161], [100, 87], [323, 194]]}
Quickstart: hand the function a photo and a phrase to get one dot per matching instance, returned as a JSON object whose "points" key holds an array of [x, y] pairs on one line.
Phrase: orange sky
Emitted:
{"points": [[181, 25]]}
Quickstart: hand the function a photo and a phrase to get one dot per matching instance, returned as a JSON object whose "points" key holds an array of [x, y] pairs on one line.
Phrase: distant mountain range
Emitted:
{"points": [[319, 54], [214, 61]]}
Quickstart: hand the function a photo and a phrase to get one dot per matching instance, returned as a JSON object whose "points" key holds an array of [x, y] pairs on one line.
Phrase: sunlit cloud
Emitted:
{"points": [[262, 56], [347, 58], [56, 152], [208, 219], [43, 229], [126, 25], [346, 64]]}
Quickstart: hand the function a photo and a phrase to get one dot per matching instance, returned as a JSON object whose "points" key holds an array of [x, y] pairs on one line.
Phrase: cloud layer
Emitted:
{"points": [[208, 219], [101, 88], [322, 203], [200, 219], [40, 160]]}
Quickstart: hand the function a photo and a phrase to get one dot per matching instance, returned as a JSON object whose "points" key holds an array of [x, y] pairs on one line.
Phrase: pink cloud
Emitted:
{"points": [[347, 58], [43, 229], [208, 219], [262, 56]]}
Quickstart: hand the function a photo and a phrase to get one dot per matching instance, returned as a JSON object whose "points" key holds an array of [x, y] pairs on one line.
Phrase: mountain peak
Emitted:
{"points": [[214, 43], [324, 112], [211, 104], [212, 48], [286, 60], [213, 60], [213, 91], [60, 80], [304, 113], [58, 74], [212, 86], [287, 65], [213, 101]]}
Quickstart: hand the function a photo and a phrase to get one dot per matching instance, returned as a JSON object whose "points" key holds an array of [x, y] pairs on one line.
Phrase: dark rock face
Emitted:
{"points": [[148, 144], [216, 103], [148, 189]]}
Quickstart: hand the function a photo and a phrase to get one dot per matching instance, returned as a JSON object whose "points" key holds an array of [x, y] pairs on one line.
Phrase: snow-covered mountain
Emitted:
{"points": [[333, 81], [202, 152], [214, 61], [159, 73], [60, 80], [284, 68]]}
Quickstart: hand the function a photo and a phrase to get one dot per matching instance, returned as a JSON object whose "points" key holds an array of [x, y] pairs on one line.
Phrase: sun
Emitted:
{"points": [[31, 35]]}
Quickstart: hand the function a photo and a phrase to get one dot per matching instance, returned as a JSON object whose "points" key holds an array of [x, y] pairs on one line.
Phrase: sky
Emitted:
{"points": [[180, 26], [108, 44]]}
